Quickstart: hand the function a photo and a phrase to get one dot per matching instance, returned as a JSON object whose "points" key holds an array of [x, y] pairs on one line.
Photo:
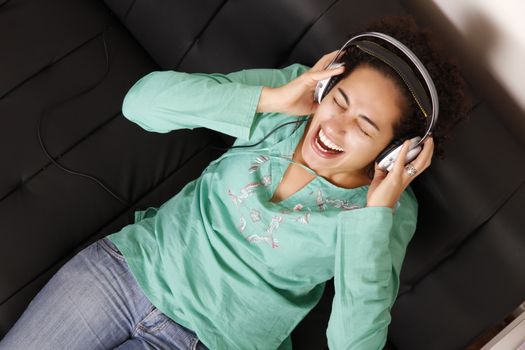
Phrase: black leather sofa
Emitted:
{"points": [[464, 269]]}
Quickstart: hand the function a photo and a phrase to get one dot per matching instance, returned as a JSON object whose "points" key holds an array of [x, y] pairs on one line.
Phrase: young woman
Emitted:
{"points": [[240, 255]]}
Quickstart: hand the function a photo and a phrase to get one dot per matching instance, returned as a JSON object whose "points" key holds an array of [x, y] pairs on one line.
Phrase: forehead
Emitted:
{"points": [[373, 93]]}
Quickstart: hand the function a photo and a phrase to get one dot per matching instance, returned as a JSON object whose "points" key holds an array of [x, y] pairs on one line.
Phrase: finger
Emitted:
{"points": [[329, 58], [324, 61], [379, 176], [399, 165], [424, 158], [327, 73], [379, 172]]}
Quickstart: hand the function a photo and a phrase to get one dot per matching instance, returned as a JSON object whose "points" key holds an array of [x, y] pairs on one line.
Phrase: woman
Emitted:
{"points": [[240, 255]]}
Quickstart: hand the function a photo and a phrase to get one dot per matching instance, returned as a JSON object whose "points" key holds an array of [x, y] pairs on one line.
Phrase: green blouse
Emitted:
{"points": [[222, 260]]}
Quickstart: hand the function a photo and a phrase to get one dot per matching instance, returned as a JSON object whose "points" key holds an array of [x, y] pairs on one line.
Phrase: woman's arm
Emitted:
{"points": [[163, 101], [371, 245]]}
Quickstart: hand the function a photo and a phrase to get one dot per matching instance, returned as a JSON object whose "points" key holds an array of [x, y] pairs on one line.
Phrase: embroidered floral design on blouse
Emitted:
{"points": [[242, 225], [276, 221], [255, 215], [261, 159], [319, 200], [305, 218], [343, 204], [266, 180], [248, 190], [252, 223], [269, 238], [323, 201], [233, 197]]}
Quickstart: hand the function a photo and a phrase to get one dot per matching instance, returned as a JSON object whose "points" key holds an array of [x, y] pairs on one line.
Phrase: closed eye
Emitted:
{"points": [[364, 132], [341, 107], [337, 104]]}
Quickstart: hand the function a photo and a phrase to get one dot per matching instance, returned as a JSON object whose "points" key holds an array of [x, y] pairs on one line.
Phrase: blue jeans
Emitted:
{"points": [[94, 302]]}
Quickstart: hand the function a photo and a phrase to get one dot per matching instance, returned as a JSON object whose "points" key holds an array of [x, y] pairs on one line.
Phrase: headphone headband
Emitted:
{"points": [[404, 71]]}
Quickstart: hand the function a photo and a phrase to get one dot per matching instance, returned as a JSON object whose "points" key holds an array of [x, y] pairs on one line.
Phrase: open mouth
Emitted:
{"points": [[324, 147]]}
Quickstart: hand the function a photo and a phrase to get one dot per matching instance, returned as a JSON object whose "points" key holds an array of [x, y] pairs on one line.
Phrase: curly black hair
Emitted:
{"points": [[454, 103]]}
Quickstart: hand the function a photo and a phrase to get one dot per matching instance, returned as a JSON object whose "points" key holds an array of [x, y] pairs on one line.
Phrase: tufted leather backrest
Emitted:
{"points": [[466, 256], [224, 36]]}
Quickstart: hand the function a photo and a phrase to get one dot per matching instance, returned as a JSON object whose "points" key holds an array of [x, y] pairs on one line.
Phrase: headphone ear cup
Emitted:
{"points": [[325, 85], [388, 157], [331, 83], [386, 152]]}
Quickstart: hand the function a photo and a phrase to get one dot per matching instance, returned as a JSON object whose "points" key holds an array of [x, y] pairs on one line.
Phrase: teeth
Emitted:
{"points": [[329, 143]]}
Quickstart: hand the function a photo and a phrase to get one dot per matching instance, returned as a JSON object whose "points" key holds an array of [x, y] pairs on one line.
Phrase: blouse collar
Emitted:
{"points": [[287, 149]]}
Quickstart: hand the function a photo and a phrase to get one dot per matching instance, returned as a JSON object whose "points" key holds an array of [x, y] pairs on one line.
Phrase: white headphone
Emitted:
{"points": [[388, 156]]}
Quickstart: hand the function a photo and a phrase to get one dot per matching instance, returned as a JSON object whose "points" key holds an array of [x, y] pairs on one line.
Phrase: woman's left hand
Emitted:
{"points": [[386, 187]]}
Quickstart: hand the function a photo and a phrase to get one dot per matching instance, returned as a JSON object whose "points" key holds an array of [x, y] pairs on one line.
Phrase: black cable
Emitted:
{"points": [[53, 106], [266, 136]]}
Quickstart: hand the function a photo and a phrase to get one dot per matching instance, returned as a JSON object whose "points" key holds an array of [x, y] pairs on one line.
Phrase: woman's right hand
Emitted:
{"points": [[297, 96]]}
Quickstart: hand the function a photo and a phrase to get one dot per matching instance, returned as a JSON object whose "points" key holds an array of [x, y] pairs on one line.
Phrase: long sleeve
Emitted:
{"points": [[162, 101], [370, 249]]}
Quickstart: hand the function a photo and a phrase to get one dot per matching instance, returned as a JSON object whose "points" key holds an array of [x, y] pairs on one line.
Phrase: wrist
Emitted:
{"points": [[391, 206], [266, 100], [269, 101]]}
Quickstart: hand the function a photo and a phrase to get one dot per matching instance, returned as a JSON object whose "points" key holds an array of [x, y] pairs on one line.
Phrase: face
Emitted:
{"points": [[352, 125]]}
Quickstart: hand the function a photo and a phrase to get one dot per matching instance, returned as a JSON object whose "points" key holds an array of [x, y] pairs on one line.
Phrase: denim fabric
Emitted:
{"points": [[94, 302]]}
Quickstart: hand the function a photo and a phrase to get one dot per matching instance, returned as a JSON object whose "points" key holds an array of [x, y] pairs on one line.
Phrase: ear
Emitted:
{"points": [[330, 85]]}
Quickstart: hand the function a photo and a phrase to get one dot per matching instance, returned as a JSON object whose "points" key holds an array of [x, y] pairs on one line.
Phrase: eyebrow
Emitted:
{"points": [[370, 121]]}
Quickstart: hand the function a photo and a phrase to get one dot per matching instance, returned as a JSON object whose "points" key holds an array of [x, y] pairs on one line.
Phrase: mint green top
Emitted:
{"points": [[222, 260]]}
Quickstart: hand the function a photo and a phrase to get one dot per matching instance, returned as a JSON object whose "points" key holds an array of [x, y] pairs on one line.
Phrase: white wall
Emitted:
{"points": [[496, 31]]}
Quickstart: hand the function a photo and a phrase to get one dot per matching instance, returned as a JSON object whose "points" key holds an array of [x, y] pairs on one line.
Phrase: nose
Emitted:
{"points": [[344, 122], [337, 126]]}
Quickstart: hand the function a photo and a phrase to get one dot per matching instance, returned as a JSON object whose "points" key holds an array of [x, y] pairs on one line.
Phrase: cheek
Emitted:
{"points": [[356, 138], [361, 147], [357, 145], [326, 107]]}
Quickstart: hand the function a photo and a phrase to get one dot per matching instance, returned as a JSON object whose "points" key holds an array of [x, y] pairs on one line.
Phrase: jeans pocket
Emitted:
{"points": [[154, 321], [111, 248], [199, 345]]}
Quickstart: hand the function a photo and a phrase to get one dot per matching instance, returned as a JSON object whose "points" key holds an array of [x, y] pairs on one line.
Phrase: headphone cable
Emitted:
{"points": [[266, 136], [52, 106]]}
